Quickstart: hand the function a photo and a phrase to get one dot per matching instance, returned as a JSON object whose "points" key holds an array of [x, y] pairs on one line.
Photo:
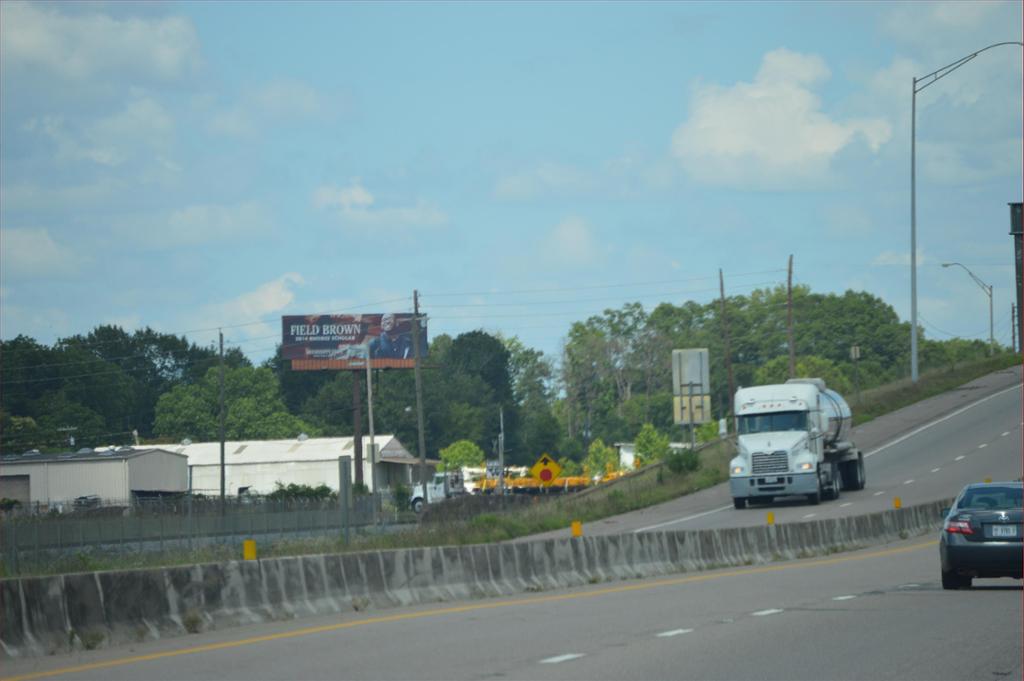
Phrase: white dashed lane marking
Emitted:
{"points": [[763, 613], [959, 458], [810, 515], [848, 503], [843, 598], [936, 470], [982, 445], [1005, 434], [907, 482], [674, 632], [561, 658], [878, 494]]}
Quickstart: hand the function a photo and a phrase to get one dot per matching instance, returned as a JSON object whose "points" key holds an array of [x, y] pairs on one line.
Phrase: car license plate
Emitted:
{"points": [[1004, 530]]}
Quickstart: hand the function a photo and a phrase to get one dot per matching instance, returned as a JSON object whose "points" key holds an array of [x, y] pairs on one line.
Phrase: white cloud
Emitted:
{"points": [[571, 243], [770, 132], [355, 205], [930, 24], [83, 45], [143, 124], [33, 253], [265, 300], [279, 100]]}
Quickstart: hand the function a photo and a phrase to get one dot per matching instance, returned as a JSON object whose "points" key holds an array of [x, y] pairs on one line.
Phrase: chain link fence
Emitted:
{"points": [[32, 534]]}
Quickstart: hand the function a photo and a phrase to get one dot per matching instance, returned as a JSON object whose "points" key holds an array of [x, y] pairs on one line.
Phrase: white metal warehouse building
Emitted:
{"points": [[256, 466], [115, 475]]}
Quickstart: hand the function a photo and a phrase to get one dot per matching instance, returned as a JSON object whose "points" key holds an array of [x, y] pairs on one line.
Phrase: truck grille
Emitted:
{"points": [[769, 462]]}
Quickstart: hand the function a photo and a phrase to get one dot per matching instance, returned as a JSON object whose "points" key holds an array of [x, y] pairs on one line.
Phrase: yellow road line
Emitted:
{"points": [[118, 662]]}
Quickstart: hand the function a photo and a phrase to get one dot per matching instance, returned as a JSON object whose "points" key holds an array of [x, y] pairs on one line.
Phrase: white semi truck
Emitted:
{"points": [[792, 440]]}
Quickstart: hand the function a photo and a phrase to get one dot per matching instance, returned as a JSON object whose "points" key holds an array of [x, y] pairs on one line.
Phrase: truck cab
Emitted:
{"points": [[437, 490], [789, 442]]}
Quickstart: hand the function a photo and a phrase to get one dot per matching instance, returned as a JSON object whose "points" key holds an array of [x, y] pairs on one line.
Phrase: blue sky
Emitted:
{"points": [[189, 166]]}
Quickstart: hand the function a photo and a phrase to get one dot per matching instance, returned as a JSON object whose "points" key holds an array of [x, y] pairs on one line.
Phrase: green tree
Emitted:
{"points": [[253, 408], [460, 454], [650, 445], [600, 459]]}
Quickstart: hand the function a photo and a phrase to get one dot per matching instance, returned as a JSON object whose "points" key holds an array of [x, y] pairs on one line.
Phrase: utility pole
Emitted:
{"points": [[789, 319], [501, 455], [421, 443], [220, 333], [357, 424], [1013, 327], [728, 345]]}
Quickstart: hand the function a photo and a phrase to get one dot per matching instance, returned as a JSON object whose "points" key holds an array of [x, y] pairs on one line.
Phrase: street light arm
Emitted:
{"points": [[938, 74], [984, 287]]}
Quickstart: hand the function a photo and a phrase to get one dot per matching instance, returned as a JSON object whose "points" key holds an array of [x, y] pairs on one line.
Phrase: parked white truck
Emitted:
{"points": [[792, 440], [436, 490]]}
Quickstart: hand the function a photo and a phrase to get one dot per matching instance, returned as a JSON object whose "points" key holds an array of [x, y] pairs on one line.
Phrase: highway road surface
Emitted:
{"points": [[876, 613]]}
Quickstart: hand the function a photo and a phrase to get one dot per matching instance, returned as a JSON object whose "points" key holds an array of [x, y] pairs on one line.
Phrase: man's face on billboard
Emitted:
{"points": [[387, 322]]}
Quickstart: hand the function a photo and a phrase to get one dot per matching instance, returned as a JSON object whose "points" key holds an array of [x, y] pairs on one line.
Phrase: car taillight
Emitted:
{"points": [[959, 527]]}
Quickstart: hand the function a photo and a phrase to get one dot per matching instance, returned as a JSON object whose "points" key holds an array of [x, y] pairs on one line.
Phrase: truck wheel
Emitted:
{"points": [[739, 502], [853, 474], [814, 499], [861, 476], [417, 505]]}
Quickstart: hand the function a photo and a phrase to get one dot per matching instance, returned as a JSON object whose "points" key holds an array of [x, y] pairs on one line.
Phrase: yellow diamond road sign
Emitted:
{"points": [[545, 470]]}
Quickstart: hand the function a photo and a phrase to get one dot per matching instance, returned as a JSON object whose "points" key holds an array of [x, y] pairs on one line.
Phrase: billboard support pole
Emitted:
{"points": [[357, 424], [419, 393], [372, 454], [221, 419]]}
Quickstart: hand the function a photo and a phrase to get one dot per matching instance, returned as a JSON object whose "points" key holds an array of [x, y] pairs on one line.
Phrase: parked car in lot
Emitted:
{"points": [[981, 535]]}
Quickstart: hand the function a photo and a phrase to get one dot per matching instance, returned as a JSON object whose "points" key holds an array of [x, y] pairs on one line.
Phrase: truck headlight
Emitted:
{"points": [[737, 470], [806, 466]]}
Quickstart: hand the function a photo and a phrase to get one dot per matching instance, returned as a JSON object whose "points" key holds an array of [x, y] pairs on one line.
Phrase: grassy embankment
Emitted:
{"points": [[653, 485]]}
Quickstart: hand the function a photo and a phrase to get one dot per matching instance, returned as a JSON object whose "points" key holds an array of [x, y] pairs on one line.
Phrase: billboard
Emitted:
{"points": [[314, 342], [691, 373]]}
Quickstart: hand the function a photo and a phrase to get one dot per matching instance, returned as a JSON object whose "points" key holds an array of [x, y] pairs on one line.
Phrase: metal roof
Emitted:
{"points": [[295, 450], [104, 454]]}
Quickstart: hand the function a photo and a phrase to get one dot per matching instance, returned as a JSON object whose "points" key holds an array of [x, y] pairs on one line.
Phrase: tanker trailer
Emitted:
{"points": [[793, 440]]}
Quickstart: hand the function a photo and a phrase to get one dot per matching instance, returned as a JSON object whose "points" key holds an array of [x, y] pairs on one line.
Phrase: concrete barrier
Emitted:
{"points": [[44, 615]]}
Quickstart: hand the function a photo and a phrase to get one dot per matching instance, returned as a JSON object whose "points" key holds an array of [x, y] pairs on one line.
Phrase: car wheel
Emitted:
{"points": [[951, 580], [739, 502], [417, 505]]}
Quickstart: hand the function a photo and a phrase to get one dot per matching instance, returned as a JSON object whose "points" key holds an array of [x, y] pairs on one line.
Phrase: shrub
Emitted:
{"points": [[683, 462]]}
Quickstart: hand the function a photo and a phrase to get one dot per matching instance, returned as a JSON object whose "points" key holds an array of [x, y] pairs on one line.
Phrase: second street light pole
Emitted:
{"points": [[987, 288], [918, 85]]}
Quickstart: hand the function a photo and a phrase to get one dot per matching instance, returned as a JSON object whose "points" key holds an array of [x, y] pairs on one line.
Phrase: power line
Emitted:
{"points": [[588, 288]]}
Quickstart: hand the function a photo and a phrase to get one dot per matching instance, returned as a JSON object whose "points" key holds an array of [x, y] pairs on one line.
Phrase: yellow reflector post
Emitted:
{"points": [[577, 528], [988, 479], [249, 549], [896, 503], [771, 518]]}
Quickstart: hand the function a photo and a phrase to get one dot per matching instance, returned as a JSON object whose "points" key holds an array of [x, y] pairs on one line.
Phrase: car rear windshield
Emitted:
{"points": [[773, 423], [999, 498]]}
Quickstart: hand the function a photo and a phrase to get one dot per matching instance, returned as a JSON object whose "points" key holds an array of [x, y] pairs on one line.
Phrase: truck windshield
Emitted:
{"points": [[773, 423]]}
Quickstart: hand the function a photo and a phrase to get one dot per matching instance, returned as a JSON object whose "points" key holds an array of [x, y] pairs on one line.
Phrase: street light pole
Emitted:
{"points": [[925, 81], [987, 288]]}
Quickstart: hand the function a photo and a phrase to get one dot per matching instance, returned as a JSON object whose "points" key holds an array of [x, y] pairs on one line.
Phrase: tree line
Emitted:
{"points": [[612, 379]]}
